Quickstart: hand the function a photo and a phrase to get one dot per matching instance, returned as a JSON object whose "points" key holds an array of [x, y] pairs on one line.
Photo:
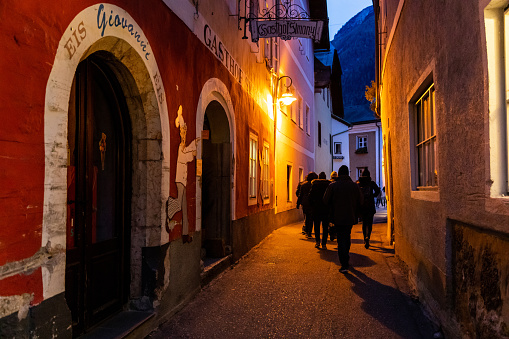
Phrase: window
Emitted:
{"points": [[253, 163], [293, 111], [362, 141], [271, 49], [425, 147], [265, 171], [307, 126], [301, 174], [301, 113], [288, 183], [337, 148], [359, 171], [496, 23], [275, 53], [319, 134]]}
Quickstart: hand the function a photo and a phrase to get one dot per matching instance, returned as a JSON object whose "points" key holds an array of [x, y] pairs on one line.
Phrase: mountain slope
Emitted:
{"points": [[355, 43]]}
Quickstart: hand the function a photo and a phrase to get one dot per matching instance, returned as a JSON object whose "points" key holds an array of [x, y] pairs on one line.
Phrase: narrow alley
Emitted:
{"points": [[286, 288]]}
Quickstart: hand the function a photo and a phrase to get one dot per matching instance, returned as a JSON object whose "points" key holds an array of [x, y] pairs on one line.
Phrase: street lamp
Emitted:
{"points": [[287, 98]]}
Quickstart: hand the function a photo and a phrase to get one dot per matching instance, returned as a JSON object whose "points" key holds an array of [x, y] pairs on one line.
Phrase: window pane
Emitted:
{"points": [[432, 111], [426, 139], [420, 165]]}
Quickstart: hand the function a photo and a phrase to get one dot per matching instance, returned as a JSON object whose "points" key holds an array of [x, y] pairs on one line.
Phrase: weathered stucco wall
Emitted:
{"points": [[481, 283], [442, 43]]}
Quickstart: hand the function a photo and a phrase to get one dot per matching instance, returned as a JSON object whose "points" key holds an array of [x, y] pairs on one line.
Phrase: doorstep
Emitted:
{"points": [[214, 269], [119, 326]]}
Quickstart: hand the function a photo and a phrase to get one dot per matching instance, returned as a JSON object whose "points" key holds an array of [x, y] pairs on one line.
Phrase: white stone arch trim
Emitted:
{"points": [[84, 31], [215, 90]]}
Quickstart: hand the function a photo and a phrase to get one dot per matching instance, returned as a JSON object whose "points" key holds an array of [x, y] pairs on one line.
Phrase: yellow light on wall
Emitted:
{"points": [[287, 98]]}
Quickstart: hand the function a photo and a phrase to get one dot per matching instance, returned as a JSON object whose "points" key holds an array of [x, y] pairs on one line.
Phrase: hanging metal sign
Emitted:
{"points": [[286, 29], [284, 20]]}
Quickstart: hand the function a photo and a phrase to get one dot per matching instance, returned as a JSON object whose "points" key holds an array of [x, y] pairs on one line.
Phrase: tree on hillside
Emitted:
{"points": [[370, 95]]}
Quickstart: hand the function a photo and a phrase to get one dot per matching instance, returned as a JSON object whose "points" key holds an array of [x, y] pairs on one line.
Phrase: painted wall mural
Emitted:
{"points": [[186, 154]]}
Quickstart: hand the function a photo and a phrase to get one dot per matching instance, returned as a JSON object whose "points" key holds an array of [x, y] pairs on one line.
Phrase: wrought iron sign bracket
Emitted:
{"points": [[285, 20]]}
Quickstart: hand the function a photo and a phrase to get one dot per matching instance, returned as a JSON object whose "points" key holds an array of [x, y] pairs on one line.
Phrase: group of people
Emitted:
{"points": [[336, 205]]}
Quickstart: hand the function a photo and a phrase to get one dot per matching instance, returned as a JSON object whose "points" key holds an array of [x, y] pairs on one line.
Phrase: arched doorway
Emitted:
{"points": [[98, 195], [216, 184]]}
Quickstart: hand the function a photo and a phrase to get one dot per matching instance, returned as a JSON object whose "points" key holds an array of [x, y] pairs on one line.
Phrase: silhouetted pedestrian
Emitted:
{"points": [[344, 198], [304, 201], [332, 228], [369, 191], [320, 209], [297, 193]]}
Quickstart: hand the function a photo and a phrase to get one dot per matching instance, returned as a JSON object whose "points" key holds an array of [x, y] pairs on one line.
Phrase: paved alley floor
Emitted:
{"points": [[287, 288]]}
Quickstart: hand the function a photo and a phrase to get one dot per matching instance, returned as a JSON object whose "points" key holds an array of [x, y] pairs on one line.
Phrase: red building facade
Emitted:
{"points": [[124, 157]]}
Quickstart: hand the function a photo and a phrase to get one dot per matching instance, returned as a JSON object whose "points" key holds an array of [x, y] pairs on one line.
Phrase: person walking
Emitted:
{"points": [[369, 191], [303, 200], [297, 193], [344, 197], [320, 209], [332, 228]]}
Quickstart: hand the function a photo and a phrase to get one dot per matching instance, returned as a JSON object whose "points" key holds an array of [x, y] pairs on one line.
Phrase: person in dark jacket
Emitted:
{"points": [[297, 193], [369, 191], [304, 201], [332, 229], [320, 209], [344, 197]]}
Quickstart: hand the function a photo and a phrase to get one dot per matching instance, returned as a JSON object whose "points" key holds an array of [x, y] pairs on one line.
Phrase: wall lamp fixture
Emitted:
{"points": [[287, 98]]}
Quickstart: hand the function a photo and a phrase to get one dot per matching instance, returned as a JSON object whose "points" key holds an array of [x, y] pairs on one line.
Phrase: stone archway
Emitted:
{"points": [[142, 87], [215, 90]]}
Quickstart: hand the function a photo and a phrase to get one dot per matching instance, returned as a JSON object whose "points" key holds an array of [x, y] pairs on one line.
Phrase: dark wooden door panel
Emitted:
{"points": [[97, 237]]}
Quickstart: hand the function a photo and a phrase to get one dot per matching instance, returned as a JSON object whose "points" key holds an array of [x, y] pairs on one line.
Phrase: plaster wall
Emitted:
{"points": [[428, 47], [323, 156], [368, 159]]}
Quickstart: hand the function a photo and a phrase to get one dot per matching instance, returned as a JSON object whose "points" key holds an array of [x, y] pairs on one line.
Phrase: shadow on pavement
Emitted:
{"points": [[382, 302]]}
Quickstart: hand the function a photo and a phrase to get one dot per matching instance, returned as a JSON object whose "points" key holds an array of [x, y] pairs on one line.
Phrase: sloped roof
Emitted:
{"points": [[359, 114]]}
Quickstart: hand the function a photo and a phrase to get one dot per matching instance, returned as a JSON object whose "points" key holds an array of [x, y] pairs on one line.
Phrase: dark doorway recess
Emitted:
{"points": [[216, 185], [98, 196]]}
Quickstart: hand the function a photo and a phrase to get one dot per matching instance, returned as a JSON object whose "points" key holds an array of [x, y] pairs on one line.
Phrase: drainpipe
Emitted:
{"points": [[332, 140]]}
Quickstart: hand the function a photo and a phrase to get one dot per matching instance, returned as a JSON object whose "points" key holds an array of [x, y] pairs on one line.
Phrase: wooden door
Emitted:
{"points": [[98, 197], [216, 183]]}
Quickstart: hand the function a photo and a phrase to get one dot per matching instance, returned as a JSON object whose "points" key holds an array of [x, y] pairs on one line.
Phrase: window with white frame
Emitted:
{"points": [[496, 24], [307, 121], [265, 171], [289, 183], [301, 174], [337, 148], [292, 108], [301, 112], [253, 166], [362, 141], [426, 140]]}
